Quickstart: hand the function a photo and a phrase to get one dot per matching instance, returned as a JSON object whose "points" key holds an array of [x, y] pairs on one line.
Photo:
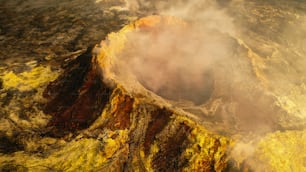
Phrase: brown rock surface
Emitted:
{"points": [[248, 114]]}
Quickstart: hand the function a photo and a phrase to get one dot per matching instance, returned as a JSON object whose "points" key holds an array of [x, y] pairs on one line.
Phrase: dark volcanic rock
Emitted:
{"points": [[73, 101]]}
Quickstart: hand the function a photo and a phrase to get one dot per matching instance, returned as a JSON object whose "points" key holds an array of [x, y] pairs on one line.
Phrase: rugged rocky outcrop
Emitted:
{"points": [[137, 129]]}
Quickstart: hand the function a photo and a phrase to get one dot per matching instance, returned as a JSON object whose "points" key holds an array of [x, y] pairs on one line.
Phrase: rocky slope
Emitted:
{"points": [[67, 107]]}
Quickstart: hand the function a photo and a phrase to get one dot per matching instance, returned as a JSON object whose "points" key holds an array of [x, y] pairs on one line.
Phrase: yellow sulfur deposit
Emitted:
{"points": [[138, 130], [282, 152], [28, 80]]}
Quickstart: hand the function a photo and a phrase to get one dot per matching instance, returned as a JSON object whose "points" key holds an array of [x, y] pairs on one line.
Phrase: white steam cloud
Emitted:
{"points": [[204, 12], [208, 63], [175, 61], [202, 62]]}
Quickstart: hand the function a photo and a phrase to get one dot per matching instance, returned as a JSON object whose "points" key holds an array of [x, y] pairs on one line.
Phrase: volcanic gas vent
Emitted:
{"points": [[177, 86], [167, 56]]}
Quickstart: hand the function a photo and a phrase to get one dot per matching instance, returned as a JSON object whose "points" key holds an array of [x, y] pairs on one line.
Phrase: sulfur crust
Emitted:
{"points": [[78, 155], [28, 80], [275, 152], [282, 152]]}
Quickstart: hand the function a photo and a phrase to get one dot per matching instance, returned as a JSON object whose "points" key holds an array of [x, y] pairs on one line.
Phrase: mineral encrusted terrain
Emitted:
{"points": [[72, 103]]}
